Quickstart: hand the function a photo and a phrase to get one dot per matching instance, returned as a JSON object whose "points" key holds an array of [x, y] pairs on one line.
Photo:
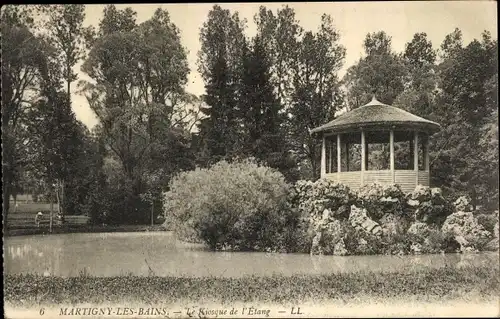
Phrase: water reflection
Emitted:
{"points": [[110, 254]]}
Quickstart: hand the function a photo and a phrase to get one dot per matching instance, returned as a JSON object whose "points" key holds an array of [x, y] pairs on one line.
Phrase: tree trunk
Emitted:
{"points": [[15, 202], [58, 200], [474, 199], [61, 208], [152, 212], [5, 198], [50, 214]]}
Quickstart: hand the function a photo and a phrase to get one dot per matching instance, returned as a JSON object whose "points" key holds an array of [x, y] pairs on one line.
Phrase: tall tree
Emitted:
{"points": [[138, 91], [219, 62], [24, 70], [420, 80], [67, 36], [380, 72], [55, 149], [317, 94], [466, 79], [264, 132], [280, 34]]}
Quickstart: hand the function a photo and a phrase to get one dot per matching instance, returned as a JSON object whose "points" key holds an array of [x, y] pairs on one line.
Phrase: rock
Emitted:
{"points": [[436, 191], [413, 202], [340, 249], [492, 245], [419, 229], [416, 248], [326, 214], [466, 230], [463, 203], [328, 232], [390, 224], [315, 246], [495, 231], [360, 220]]}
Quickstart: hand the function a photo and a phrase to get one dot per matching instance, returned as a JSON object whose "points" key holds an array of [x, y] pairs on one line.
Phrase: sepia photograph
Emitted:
{"points": [[250, 160]]}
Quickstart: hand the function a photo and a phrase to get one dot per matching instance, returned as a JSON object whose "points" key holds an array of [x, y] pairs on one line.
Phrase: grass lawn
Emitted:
{"points": [[428, 285]]}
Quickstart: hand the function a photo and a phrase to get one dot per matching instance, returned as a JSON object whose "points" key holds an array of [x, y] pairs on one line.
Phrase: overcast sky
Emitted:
{"points": [[353, 20]]}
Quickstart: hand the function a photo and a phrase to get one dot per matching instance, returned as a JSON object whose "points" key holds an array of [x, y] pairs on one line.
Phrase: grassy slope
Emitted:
{"points": [[428, 285]]}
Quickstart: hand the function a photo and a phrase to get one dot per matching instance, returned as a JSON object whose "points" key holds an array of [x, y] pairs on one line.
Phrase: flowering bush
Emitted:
{"points": [[237, 206], [429, 205], [379, 200]]}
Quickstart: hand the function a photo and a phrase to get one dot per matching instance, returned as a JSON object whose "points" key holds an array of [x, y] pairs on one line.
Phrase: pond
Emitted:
{"points": [[159, 253]]}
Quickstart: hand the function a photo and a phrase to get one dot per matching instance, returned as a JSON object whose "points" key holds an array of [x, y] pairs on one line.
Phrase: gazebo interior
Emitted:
{"points": [[382, 163], [377, 143]]}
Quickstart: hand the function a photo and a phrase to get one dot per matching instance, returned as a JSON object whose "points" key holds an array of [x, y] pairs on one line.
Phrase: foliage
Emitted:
{"points": [[466, 78], [139, 73], [316, 95], [237, 206], [219, 62], [25, 70], [380, 72], [360, 242], [262, 122]]}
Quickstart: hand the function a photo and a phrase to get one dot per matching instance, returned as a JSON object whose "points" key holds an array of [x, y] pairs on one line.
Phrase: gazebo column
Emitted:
{"points": [[363, 157], [323, 157], [391, 146], [415, 156], [345, 151], [330, 153], [339, 162], [426, 154]]}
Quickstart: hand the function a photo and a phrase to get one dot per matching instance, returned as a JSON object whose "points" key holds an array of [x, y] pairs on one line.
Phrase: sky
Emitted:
{"points": [[353, 20]]}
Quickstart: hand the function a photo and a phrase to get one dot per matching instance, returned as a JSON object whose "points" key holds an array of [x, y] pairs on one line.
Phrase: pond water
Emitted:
{"points": [[159, 253]]}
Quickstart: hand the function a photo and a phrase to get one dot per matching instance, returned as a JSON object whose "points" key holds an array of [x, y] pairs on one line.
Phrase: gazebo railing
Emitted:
{"points": [[407, 179]]}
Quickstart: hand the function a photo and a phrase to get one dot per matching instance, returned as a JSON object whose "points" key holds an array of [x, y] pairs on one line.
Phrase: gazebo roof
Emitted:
{"points": [[377, 115]]}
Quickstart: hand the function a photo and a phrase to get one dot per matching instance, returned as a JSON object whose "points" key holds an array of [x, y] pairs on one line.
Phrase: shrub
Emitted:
{"points": [[237, 206], [379, 200]]}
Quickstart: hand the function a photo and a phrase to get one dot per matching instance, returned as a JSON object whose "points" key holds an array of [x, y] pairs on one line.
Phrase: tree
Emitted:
{"points": [[139, 76], [380, 72], [420, 79], [263, 135], [24, 70], [317, 94], [219, 62], [67, 36], [466, 81], [280, 34], [55, 149]]}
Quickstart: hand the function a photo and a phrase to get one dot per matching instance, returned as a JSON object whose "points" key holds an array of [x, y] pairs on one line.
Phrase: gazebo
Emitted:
{"points": [[376, 143]]}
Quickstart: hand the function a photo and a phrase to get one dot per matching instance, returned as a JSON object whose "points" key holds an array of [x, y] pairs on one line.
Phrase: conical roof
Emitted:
{"points": [[377, 115]]}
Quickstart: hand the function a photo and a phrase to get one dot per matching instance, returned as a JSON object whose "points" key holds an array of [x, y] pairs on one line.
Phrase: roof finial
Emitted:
{"points": [[374, 93]]}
